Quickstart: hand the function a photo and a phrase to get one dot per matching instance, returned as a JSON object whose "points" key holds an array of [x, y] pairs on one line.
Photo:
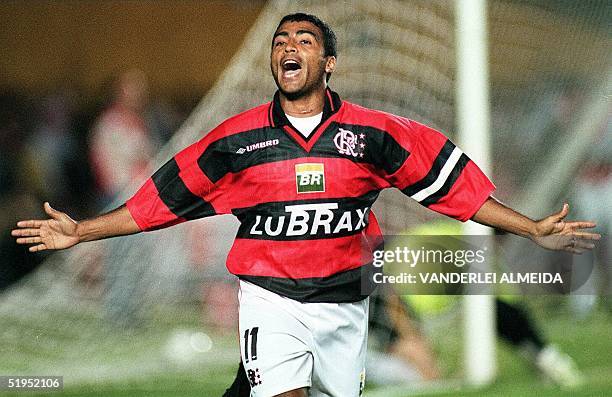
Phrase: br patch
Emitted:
{"points": [[310, 178]]}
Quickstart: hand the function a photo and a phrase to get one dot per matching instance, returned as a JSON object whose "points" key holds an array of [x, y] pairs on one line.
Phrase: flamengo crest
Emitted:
{"points": [[349, 143]]}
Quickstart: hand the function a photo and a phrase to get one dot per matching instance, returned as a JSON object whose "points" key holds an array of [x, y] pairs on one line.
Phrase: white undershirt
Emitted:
{"points": [[305, 125]]}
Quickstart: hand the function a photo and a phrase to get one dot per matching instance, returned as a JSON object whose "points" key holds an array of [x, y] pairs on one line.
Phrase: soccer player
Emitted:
{"points": [[301, 174]]}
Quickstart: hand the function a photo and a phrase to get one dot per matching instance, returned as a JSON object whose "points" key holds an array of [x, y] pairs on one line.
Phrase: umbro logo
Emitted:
{"points": [[258, 145]]}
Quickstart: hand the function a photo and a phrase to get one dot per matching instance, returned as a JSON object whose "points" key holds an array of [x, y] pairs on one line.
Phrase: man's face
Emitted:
{"points": [[297, 60]]}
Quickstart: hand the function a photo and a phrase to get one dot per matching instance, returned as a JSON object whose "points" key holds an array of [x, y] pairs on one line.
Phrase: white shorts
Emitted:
{"points": [[287, 345]]}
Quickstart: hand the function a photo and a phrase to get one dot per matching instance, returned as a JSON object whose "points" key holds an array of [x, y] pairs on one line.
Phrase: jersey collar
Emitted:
{"points": [[279, 119]]}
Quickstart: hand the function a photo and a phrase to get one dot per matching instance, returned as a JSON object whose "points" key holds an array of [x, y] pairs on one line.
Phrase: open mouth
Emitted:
{"points": [[290, 68]]}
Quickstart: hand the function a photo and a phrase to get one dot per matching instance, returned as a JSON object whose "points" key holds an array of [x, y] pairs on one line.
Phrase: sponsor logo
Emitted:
{"points": [[310, 178], [349, 143], [311, 219], [258, 145], [254, 377]]}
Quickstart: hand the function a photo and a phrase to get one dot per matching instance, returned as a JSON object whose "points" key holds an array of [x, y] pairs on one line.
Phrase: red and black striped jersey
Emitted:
{"points": [[307, 231]]}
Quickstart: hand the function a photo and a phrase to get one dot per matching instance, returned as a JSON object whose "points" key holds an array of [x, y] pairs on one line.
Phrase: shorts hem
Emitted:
{"points": [[273, 391]]}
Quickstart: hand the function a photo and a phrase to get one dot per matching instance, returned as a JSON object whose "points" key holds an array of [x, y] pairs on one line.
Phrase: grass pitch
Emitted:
{"points": [[588, 341]]}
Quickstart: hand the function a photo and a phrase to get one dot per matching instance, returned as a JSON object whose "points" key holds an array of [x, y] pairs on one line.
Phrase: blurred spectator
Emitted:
{"points": [[121, 144], [19, 186], [55, 146], [593, 200], [163, 119]]}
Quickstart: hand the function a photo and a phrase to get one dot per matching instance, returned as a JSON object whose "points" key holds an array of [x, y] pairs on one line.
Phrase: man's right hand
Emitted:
{"points": [[56, 233]]}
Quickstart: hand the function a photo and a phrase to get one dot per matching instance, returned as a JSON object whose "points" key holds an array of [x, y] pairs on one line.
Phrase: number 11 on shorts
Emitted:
{"points": [[252, 335]]}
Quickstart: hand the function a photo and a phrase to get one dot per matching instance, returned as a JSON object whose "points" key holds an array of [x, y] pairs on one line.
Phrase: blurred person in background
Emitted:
{"points": [[515, 326], [56, 148], [20, 183], [121, 147], [121, 144], [163, 118], [593, 197]]}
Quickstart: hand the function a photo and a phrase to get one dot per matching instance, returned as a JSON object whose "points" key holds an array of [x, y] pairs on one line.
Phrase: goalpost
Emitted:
{"points": [[473, 122]]}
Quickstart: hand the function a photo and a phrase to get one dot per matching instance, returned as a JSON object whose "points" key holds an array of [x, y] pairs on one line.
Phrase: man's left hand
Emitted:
{"points": [[555, 233]]}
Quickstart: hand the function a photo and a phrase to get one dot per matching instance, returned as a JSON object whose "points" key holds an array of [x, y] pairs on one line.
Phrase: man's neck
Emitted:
{"points": [[307, 105]]}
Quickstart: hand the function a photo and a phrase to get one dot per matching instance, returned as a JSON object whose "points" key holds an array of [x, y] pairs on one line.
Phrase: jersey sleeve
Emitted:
{"points": [[436, 173], [176, 192]]}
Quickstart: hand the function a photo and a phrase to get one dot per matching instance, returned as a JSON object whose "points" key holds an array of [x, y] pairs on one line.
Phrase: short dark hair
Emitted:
{"points": [[329, 37]]}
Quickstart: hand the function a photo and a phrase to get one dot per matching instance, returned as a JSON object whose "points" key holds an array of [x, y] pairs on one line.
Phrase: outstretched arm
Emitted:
{"points": [[61, 231], [552, 232]]}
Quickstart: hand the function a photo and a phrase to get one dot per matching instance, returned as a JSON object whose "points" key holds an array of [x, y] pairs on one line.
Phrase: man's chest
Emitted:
{"points": [[334, 163]]}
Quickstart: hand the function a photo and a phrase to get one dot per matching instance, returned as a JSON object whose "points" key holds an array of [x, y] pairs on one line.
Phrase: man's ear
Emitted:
{"points": [[330, 65]]}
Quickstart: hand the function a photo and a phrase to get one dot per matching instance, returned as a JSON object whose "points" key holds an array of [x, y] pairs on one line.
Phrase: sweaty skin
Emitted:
{"points": [[299, 68]]}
